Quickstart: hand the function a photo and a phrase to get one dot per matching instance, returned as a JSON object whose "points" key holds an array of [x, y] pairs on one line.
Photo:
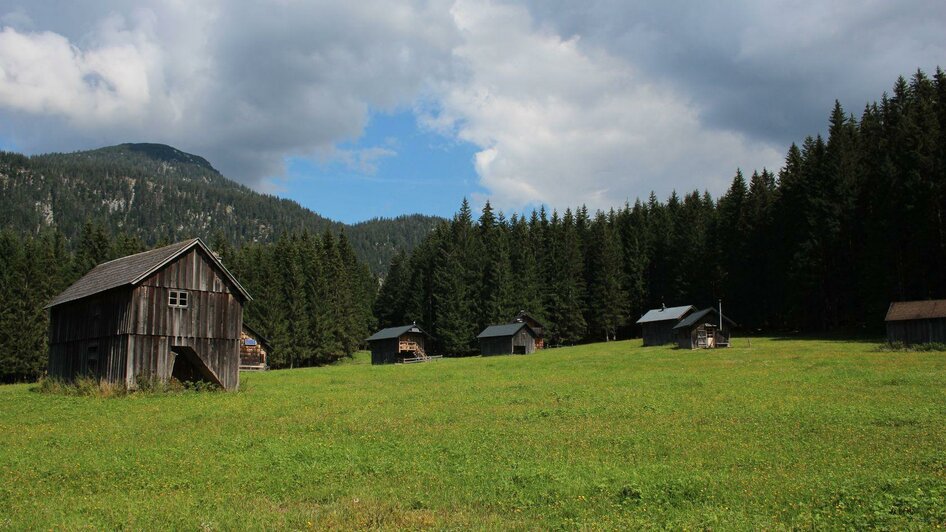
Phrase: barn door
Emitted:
{"points": [[188, 366]]}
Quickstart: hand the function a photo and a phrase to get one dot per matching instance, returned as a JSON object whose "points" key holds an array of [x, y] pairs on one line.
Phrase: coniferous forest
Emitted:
{"points": [[850, 223]]}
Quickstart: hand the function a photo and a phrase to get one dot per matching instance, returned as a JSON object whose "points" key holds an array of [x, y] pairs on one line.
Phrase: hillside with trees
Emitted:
{"points": [[850, 223], [159, 194]]}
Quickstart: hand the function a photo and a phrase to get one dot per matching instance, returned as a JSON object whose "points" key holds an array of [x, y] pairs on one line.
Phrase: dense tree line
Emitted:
{"points": [[849, 224], [312, 296], [158, 193]]}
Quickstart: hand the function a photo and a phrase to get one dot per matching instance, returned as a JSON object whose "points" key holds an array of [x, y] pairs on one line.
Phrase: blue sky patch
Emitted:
{"points": [[395, 168]]}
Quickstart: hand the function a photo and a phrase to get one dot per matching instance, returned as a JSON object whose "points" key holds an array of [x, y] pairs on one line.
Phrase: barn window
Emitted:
{"points": [[177, 298]]}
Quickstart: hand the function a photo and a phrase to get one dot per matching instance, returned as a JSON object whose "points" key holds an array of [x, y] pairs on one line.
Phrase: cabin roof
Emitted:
{"points": [[664, 314], [506, 329], [394, 332], [696, 317], [257, 336], [916, 310], [525, 315], [133, 269]]}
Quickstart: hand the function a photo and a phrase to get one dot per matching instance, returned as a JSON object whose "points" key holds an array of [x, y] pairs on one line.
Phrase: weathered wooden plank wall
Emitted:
{"points": [[917, 331], [497, 345], [384, 351], [524, 339], [658, 332]]}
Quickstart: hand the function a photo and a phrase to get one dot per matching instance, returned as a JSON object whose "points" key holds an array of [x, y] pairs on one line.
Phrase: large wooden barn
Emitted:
{"points": [[534, 324], [394, 344], [512, 338], [174, 311], [657, 324], [917, 322], [703, 329]]}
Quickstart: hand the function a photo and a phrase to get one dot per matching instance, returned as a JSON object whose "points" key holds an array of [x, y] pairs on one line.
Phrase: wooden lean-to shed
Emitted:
{"points": [[703, 329], [254, 350], [535, 325], [917, 322], [511, 338], [174, 311], [397, 343], [657, 324]]}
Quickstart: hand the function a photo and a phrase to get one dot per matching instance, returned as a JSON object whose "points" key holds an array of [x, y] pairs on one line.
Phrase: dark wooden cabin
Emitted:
{"points": [[395, 344], [917, 322], [703, 330], [657, 324], [510, 339], [174, 311], [254, 350], [534, 324]]}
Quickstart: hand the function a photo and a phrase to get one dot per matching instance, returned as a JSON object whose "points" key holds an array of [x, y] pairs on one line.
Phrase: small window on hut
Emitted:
{"points": [[177, 298]]}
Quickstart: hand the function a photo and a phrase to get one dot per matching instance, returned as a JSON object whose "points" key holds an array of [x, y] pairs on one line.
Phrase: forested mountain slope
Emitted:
{"points": [[161, 194]]}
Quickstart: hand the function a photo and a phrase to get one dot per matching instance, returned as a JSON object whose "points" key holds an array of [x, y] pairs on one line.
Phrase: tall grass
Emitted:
{"points": [[85, 386]]}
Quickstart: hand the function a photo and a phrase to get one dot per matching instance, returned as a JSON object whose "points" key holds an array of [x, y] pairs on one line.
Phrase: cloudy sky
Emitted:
{"points": [[377, 108]]}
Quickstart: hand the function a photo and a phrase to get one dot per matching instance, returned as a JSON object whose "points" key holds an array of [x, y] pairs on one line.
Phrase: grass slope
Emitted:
{"points": [[782, 434]]}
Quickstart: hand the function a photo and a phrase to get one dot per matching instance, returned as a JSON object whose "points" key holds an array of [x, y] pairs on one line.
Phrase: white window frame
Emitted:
{"points": [[178, 298]]}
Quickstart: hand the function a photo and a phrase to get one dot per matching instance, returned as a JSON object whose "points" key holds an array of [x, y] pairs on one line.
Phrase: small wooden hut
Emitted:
{"points": [[174, 311], [509, 339], [917, 322], [254, 350], [703, 329], [395, 344], [535, 325], [657, 324]]}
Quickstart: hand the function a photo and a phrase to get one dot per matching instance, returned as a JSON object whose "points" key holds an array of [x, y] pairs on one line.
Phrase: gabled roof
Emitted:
{"points": [[394, 332], [916, 310], [664, 314], [523, 315], [699, 316], [133, 269], [257, 336], [506, 329]]}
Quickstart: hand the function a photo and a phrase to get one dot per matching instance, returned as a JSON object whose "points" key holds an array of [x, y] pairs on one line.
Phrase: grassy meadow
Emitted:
{"points": [[782, 434]]}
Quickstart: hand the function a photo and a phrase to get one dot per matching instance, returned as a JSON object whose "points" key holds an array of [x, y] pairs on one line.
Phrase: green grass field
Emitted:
{"points": [[787, 433]]}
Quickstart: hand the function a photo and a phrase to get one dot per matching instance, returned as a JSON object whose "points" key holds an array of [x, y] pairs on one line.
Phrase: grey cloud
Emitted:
{"points": [[770, 70], [244, 83]]}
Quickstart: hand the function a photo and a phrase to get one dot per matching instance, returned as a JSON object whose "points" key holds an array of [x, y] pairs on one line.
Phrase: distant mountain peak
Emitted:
{"points": [[158, 152]]}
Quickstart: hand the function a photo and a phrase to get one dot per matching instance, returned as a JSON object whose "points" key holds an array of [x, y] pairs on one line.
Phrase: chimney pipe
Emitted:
{"points": [[720, 314]]}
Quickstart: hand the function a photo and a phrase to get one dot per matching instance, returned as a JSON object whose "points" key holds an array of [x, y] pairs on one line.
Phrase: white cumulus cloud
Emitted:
{"points": [[562, 124]]}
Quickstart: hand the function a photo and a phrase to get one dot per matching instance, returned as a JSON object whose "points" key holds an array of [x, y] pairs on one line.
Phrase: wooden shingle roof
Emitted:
{"points": [[507, 329], [696, 317], [916, 310], [664, 314], [133, 269], [394, 332]]}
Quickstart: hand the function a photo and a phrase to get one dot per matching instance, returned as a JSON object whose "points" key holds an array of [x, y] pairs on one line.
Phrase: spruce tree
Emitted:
{"points": [[605, 312]]}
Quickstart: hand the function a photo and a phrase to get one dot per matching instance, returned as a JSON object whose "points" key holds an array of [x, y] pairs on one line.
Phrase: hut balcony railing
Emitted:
{"points": [[412, 346]]}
